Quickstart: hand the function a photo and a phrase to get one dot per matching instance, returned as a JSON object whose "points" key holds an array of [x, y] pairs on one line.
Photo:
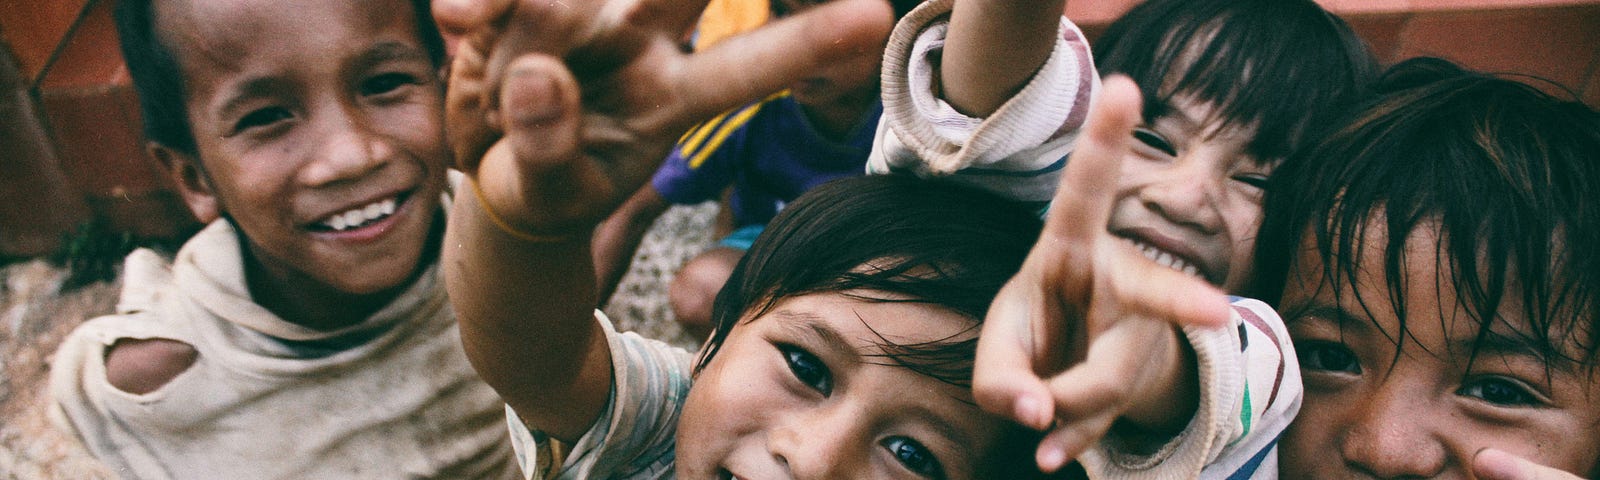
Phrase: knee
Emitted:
{"points": [[694, 290]]}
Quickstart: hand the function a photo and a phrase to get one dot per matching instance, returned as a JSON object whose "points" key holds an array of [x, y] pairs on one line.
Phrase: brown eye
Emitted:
{"points": [[1499, 391], [914, 456], [1327, 357], [385, 83], [261, 117], [1255, 180], [808, 369]]}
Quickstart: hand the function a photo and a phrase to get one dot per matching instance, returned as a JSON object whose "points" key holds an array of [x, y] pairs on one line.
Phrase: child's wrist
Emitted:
{"points": [[1175, 395], [506, 228]]}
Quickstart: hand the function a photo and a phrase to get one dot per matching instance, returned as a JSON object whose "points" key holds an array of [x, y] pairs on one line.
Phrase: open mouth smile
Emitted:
{"points": [[359, 217], [1166, 259]]}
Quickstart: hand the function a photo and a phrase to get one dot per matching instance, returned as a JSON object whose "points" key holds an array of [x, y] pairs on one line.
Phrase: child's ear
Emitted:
{"points": [[184, 171]]}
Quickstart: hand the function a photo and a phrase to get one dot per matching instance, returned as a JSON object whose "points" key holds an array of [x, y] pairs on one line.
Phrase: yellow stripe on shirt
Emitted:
{"points": [[698, 156], [740, 118]]}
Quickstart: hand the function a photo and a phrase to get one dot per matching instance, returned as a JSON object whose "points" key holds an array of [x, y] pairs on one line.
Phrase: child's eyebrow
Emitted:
{"points": [[1496, 344], [1326, 312], [814, 328], [389, 51]]}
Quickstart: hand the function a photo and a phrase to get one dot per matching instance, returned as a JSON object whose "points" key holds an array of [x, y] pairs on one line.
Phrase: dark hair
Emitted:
{"points": [[1275, 64], [922, 241], [1507, 174], [901, 7], [892, 238], [158, 79]]}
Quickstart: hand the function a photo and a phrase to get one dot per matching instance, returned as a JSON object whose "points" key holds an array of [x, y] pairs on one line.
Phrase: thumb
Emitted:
{"points": [[1494, 464], [1004, 378]]}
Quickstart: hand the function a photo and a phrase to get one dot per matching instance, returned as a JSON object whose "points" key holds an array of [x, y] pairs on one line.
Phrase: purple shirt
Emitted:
{"points": [[768, 151]]}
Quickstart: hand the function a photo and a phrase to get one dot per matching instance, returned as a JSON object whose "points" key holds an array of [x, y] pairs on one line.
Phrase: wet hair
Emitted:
{"points": [[1279, 65], [158, 79], [1507, 174], [885, 238]]}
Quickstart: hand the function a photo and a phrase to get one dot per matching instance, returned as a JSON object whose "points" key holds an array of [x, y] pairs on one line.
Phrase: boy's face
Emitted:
{"points": [[1190, 194], [1425, 413], [851, 81], [802, 392], [319, 128]]}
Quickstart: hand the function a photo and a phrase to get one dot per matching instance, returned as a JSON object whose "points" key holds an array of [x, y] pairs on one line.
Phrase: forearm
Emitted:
{"points": [[993, 49], [526, 318], [617, 238]]}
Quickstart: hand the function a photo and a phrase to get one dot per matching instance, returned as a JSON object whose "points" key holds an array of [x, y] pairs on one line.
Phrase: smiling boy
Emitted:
{"points": [[303, 333]]}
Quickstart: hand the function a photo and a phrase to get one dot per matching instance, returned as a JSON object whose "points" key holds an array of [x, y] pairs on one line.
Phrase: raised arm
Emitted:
{"points": [[993, 49], [1088, 334], [557, 110]]}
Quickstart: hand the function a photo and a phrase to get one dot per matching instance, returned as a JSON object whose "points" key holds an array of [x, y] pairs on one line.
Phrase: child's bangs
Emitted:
{"points": [[1272, 65], [914, 240], [1505, 176]]}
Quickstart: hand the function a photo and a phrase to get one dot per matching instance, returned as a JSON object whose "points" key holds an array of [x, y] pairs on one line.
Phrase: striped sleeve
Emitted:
{"points": [[1019, 151], [1249, 392], [633, 438]]}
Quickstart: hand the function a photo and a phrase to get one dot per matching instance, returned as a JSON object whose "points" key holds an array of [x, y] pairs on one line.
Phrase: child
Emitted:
{"points": [[304, 332], [1231, 88], [1082, 342], [844, 339], [1438, 267], [819, 129]]}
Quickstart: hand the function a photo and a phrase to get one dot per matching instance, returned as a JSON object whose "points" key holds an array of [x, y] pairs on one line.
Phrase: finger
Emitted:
{"points": [[1082, 205], [1151, 290], [1494, 464], [466, 116], [1069, 439], [1004, 381], [539, 108], [1099, 385], [1087, 399], [459, 17], [550, 27], [761, 62], [675, 17]]}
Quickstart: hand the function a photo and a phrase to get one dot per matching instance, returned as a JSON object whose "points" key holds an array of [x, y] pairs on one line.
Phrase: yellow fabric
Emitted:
{"points": [[726, 18]]}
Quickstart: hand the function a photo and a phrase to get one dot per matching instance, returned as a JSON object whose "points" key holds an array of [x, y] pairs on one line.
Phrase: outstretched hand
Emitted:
{"points": [[559, 109], [1087, 332]]}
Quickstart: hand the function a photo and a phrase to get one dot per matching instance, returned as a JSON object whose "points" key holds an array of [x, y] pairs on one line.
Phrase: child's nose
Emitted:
{"points": [[1186, 195], [350, 149], [1394, 436], [821, 443]]}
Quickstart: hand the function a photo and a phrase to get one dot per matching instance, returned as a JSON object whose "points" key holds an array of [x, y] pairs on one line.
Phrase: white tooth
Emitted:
{"points": [[387, 206], [353, 217], [337, 222], [1165, 259], [373, 211], [1191, 271]]}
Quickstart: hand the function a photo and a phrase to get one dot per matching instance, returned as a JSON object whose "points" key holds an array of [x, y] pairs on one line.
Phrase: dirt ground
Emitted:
{"points": [[35, 315]]}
